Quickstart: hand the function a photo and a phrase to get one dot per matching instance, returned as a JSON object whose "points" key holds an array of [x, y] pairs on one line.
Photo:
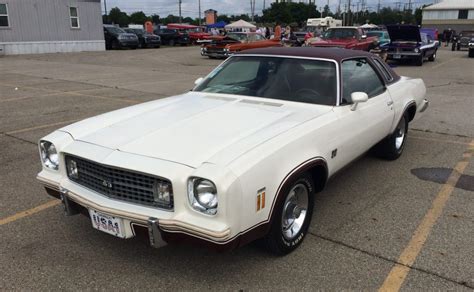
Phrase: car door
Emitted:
{"points": [[361, 128]]}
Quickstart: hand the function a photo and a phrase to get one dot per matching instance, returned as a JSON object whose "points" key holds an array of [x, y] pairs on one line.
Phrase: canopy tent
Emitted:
{"points": [[240, 24], [220, 24], [369, 26]]}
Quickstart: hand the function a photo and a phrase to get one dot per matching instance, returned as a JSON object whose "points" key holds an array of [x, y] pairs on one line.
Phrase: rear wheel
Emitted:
{"points": [[419, 61], [392, 147], [115, 45], [172, 43], [292, 217], [471, 53]]}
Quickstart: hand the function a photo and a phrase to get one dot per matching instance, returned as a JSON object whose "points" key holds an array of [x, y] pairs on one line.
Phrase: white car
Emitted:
{"points": [[238, 158]]}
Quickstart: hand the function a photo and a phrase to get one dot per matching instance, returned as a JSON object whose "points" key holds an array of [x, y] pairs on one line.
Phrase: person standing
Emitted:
{"points": [[277, 34], [267, 32]]}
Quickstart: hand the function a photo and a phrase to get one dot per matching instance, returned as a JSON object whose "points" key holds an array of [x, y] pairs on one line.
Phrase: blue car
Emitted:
{"points": [[382, 35], [408, 43]]}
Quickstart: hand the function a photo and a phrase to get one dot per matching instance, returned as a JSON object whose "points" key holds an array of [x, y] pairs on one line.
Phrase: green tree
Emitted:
{"points": [[138, 17], [116, 16], [289, 12], [155, 18]]}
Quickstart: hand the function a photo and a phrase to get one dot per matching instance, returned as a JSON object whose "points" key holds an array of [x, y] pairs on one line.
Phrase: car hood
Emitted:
{"points": [[410, 33], [194, 128]]}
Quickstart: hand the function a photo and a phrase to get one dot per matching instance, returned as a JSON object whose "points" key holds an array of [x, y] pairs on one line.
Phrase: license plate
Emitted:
{"points": [[108, 224], [397, 56]]}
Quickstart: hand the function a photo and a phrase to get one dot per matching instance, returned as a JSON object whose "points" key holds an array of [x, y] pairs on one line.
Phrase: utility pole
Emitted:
{"points": [[378, 7], [264, 5], [199, 12], [252, 8], [106, 14], [349, 15], [180, 17]]}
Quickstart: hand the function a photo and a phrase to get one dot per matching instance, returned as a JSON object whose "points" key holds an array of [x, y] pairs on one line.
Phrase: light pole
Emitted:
{"points": [[105, 7], [199, 12], [180, 18]]}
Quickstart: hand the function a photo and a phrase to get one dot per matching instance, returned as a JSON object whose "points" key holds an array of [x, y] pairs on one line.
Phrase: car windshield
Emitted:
{"points": [[340, 33], [241, 37], [116, 30], [292, 79], [467, 34]]}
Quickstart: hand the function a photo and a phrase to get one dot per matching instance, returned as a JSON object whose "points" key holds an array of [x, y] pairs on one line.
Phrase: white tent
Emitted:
{"points": [[240, 24], [369, 26]]}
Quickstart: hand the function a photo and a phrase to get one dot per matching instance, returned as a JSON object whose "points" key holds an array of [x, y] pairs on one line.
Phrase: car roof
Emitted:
{"points": [[336, 54]]}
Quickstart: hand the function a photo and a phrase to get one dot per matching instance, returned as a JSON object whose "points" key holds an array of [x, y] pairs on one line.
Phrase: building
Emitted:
{"points": [[455, 14], [211, 16], [49, 26]]}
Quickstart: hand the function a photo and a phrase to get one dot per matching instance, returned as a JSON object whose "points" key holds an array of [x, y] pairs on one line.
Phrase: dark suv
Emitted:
{"points": [[461, 41], [172, 37], [145, 39], [117, 38]]}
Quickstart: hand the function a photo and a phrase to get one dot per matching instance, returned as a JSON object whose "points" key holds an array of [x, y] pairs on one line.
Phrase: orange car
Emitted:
{"points": [[235, 42]]}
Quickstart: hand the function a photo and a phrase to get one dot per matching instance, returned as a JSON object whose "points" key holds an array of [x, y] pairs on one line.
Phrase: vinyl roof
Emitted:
{"points": [[336, 54]]}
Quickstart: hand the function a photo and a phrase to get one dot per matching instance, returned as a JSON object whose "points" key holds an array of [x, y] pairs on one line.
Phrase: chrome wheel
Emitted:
{"points": [[400, 133], [294, 212]]}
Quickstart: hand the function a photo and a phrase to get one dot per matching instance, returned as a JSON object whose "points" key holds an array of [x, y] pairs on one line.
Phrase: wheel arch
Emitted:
{"points": [[411, 111]]}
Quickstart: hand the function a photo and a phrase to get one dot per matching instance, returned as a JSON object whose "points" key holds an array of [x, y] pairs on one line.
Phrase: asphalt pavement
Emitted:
{"points": [[403, 224]]}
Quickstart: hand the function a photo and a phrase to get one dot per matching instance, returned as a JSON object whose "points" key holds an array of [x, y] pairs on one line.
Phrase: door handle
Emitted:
{"points": [[389, 103]]}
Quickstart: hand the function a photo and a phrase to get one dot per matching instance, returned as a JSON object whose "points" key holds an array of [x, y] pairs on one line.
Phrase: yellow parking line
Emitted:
{"points": [[29, 212], [40, 127], [399, 272]]}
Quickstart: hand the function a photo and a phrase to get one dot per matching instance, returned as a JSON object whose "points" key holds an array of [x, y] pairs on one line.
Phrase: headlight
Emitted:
{"points": [[49, 155], [202, 194], [417, 50], [163, 194]]}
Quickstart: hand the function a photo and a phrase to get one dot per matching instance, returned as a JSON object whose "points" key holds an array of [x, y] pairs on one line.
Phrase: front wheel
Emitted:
{"points": [[292, 217], [432, 57], [419, 61], [171, 43], [471, 53], [391, 148]]}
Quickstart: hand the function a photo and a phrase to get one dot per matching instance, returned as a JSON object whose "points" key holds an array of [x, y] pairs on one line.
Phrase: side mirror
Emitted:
{"points": [[198, 81], [358, 97]]}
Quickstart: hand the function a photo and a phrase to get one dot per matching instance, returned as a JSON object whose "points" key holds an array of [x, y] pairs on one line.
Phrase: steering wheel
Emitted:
{"points": [[308, 94]]}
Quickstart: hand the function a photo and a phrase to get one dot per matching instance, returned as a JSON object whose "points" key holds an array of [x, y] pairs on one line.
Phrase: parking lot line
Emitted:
{"points": [[29, 212], [399, 272], [40, 127]]}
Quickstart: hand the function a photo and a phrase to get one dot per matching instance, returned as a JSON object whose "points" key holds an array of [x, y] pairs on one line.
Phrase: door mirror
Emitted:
{"points": [[358, 97], [198, 81]]}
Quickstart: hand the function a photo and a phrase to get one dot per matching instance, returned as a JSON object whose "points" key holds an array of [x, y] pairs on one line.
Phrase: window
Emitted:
{"points": [[74, 17], [463, 14], [359, 76], [382, 69], [4, 16]]}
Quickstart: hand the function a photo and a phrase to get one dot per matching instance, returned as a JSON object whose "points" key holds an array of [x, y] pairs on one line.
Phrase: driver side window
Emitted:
{"points": [[359, 76]]}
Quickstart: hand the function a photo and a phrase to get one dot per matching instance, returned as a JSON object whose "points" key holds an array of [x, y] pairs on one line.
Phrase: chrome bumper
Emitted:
{"points": [[424, 105]]}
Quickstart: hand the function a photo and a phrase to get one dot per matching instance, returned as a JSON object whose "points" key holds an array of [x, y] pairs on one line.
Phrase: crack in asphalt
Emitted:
{"points": [[441, 133], [337, 242], [451, 83], [17, 138]]}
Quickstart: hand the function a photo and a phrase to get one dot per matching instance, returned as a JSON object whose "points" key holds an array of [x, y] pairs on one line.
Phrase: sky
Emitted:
{"points": [[236, 7]]}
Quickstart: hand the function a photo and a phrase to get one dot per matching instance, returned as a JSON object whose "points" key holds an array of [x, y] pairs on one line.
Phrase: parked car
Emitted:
{"points": [[117, 38], [195, 33], [433, 32], [236, 42], [407, 43], [145, 39], [347, 37], [381, 35], [172, 37], [471, 48], [238, 158], [461, 41]]}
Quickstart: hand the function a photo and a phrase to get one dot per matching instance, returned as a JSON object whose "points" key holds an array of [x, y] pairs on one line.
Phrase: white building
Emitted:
{"points": [[454, 14], [50, 26]]}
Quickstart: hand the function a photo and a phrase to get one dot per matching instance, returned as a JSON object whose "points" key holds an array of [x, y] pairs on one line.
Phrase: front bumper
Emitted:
{"points": [[128, 43], [403, 55], [216, 54]]}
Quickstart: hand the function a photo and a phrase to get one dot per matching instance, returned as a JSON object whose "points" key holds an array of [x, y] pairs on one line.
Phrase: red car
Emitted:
{"points": [[346, 37], [195, 32]]}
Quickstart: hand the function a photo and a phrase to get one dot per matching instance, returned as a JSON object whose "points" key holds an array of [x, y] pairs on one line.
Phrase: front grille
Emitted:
{"points": [[117, 183]]}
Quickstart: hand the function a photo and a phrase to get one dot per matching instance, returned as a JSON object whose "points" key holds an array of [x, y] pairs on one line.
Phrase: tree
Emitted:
{"points": [[155, 18], [289, 12], [138, 17], [116, 16]]}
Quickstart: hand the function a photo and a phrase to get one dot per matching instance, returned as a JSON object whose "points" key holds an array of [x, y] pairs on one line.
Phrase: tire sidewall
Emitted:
{"points": [[394, 136], [283, 244]]}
